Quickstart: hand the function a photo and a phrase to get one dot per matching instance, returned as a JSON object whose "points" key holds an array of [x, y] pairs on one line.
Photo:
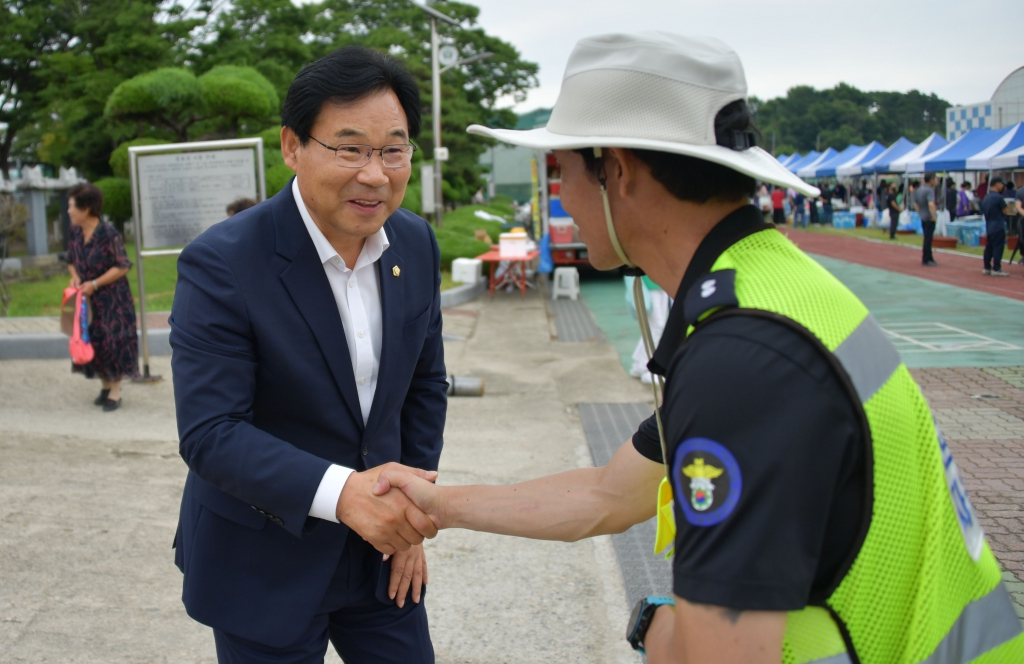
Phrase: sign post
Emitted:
{"points": [[181, 189]]}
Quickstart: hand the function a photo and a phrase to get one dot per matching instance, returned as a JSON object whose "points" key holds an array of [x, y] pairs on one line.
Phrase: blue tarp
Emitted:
{"points": [[954, 156], [827, 167], [880, 164]]}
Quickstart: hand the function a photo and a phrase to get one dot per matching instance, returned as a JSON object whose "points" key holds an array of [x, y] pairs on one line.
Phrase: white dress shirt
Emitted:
{"points": [[357, 294]]}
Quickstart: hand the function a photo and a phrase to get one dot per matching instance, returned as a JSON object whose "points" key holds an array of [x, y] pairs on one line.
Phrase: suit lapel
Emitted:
{"points": [[392, 296], [306, 282]]}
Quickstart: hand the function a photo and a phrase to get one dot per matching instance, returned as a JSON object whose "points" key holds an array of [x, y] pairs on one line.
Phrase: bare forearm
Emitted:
{"points": [[111, 275], [568, 506]]}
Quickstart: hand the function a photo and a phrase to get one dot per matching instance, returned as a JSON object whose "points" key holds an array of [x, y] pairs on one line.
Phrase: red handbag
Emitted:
{"points": [[79, 345]]}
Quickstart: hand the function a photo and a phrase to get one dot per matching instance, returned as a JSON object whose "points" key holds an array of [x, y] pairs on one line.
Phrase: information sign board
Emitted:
{"points": [[182, 194]]}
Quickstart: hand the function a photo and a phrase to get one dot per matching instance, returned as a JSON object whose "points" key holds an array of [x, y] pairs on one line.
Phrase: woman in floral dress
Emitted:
{"points": [[98, 264]]}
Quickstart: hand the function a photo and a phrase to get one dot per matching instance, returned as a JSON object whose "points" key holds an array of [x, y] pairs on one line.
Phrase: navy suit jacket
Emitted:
{"points": [[266, 400]]}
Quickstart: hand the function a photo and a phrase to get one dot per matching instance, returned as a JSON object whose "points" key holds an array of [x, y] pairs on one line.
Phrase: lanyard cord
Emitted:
{"points": [[657, 384]]}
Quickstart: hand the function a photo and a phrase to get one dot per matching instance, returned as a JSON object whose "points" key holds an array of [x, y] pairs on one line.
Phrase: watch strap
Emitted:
{"points": [[640, 620]]}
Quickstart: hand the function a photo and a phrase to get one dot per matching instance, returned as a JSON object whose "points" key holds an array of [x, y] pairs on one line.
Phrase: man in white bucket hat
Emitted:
{"points": [[815, 510]]}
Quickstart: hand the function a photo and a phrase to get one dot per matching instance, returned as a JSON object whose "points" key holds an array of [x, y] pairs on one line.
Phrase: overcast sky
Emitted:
{"points": [[958, 50]]}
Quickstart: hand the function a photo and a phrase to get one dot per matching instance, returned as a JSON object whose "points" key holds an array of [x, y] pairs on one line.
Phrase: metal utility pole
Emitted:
{"points": [[440, 153], [435, 71]]}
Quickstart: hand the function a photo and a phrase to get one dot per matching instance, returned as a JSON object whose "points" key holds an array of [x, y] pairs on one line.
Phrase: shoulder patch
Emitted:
{"points": [[712, 291], [706, 481]]}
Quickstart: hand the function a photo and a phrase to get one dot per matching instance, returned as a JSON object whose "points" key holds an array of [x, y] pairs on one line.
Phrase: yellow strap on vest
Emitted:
{"points": [[666, 537]]}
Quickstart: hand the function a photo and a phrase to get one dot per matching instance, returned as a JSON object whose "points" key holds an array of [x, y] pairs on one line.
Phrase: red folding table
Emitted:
{"points": [[516, 273]]}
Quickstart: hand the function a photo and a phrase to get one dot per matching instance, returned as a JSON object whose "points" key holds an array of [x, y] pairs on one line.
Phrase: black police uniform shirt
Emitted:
{"points": [[769, 449]]}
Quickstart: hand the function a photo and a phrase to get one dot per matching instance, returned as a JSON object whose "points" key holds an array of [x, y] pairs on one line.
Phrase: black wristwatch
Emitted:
{"points": [[641, 618]]}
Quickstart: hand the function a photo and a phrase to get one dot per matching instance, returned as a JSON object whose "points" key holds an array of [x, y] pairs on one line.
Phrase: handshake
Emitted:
{"points": [[393, 507]]}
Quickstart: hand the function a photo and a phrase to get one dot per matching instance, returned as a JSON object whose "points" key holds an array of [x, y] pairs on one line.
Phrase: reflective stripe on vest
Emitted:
{"points": [[983, 625], [869, 357]]}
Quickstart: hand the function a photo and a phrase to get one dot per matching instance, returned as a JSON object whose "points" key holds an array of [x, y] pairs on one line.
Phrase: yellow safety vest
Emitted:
{"points": [[924, 587]]}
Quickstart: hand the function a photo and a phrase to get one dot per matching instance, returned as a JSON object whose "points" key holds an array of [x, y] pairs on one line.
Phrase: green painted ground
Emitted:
{"points": [[605, 294], [939, 325]]}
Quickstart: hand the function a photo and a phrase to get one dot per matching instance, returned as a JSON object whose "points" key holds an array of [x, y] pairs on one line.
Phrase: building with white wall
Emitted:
{"points": [[1004, 109]]}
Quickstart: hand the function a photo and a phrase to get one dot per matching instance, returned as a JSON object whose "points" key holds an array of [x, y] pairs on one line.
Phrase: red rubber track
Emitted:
{"points": [[953, 268]]}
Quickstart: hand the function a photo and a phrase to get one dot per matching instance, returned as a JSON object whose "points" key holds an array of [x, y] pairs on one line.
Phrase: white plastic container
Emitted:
{"points": [[512, 245], [466, 270]]}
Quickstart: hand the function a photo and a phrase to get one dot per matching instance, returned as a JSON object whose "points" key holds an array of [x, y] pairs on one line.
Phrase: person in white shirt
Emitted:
{"points": [[308, 357]]}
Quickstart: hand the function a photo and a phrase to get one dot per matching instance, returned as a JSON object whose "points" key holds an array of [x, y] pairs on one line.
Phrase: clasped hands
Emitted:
{"points": [[391, 522]]}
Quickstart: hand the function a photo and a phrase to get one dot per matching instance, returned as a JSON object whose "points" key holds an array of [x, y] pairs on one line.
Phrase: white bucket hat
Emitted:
{"points": [[653, 91]]}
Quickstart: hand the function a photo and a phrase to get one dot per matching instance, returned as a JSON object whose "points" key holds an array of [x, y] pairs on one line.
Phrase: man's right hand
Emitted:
{"points": [[388, 520], [424, 494]]}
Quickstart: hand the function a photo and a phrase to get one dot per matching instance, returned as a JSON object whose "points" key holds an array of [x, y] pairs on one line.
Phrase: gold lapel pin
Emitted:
{"points": [[396, 271]]}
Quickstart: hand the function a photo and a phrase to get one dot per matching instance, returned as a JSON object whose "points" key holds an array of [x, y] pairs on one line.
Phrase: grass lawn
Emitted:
{"points": [[42, 297], [913, 240]]}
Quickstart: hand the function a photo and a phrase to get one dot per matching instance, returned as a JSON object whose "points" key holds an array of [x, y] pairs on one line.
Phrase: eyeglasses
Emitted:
{"points": [[357, 156]]}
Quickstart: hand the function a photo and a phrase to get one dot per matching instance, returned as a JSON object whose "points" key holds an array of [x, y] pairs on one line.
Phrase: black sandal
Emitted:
{"points": [[110, 405], [102, 398]]}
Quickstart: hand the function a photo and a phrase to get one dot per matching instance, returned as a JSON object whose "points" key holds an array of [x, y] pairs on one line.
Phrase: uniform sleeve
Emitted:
{"points": [[646, 440], [757, 427]]}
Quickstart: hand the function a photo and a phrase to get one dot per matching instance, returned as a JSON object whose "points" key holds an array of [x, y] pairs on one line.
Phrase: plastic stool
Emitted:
{"points": [[566, 282]]}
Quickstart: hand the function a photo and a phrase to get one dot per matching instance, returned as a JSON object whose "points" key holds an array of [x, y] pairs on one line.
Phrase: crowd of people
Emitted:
{"points": [[997, 201]]}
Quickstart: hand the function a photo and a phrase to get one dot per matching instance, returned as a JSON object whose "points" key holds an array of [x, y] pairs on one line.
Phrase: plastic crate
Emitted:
{"points": [[844, 220]]}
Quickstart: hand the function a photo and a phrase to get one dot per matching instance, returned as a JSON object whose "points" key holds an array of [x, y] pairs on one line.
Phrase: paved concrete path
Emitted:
{"points": [[953, 268], [89, 502]]}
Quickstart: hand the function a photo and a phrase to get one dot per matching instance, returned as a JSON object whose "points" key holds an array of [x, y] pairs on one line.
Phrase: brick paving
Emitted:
{"points": [[954, 268], [981, 412]]}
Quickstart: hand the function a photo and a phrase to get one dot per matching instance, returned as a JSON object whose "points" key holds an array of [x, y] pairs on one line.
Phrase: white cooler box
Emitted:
{"points": [[466, 270], [513, 245]]}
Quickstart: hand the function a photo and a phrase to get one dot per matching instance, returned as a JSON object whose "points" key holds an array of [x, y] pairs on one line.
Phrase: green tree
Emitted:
{"points": [[172, 101], [30, 32], [168, 99], [108, 42], [808, 119]]}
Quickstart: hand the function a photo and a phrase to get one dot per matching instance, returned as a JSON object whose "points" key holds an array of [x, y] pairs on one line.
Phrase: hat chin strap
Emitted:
{"points": [[657, 384], [608, 220]]}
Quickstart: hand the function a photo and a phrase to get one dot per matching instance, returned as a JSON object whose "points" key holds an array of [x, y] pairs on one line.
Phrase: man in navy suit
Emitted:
{"points": [[307, 357]]}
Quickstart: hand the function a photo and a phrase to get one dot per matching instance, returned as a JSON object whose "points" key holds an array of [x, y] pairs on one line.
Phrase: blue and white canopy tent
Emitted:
{"points": [[853, 166], [1010, 141], [925, 147], [954, 156], [791, 159], [813, 163], [880, 164], [809, 158], [1011, 159], [827, 168]]}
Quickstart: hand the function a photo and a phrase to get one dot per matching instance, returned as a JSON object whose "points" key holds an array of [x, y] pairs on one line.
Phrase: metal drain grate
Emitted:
{"points": [[940, 338], [607, 426], [574, 322]]}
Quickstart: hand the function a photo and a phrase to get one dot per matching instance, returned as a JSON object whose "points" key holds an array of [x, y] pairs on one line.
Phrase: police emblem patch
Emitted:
{"points": [[707, 481]]}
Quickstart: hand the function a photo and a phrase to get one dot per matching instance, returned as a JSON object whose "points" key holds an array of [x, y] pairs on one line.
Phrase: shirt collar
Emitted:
{"points": [[374, 247], [737, 225]]}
